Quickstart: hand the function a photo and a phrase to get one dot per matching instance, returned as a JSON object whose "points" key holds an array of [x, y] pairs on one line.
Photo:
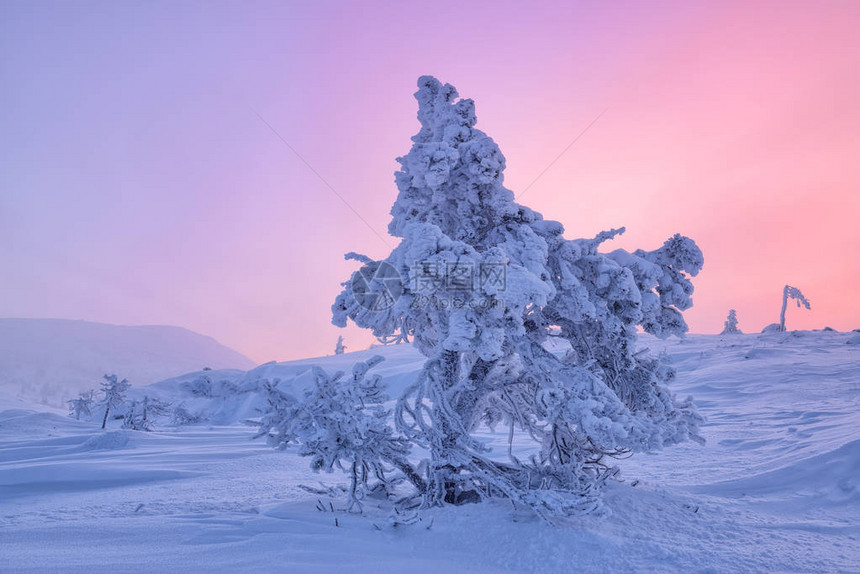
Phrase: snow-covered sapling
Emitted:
{"points": [[114, 395], [199, 387], [730, 326], [82, 405], [279, 416], [789, 292], [339, 347], [483, 281], [141, 414], [182, 416], [341, 422]]}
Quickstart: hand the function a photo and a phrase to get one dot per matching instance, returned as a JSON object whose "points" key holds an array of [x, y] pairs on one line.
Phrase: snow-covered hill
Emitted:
{"points": [[49, 360], [229, 396], [774, 489]]}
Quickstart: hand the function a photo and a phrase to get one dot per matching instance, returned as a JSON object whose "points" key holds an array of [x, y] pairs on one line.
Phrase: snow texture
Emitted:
{"points": [[774, 489]]}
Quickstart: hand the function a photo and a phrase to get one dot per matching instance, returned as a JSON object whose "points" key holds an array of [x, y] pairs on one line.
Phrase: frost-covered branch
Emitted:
{"points": [[342, 423]]}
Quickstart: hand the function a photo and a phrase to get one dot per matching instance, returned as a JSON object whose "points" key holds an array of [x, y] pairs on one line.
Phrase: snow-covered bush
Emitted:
{"points": [[114, 395], [730, 326], [141, 415], [483, 282], [226, 388], [182, 416], [789, 292], [341, 422], [82, 405], [199, 387], [281, 411], [339, 347], [204, 387]]}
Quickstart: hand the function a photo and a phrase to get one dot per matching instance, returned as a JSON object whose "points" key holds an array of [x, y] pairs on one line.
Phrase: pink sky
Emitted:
{"points": [[138, 186]]}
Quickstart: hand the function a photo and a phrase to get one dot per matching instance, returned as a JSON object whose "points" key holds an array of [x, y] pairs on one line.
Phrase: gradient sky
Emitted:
{"points": [[138, 185]]}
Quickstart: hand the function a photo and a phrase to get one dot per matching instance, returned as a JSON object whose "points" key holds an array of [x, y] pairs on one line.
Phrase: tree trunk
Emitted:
{"points": [[104, 420], [353, 487], [784, 305]]}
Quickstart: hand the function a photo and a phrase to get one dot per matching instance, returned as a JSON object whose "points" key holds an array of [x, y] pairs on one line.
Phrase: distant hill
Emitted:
{"points": [[49, 360]]}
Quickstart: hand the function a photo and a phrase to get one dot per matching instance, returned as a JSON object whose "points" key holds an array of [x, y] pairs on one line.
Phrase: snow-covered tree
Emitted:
{"points": [[789, 292], [133, 419], [730, 326], [281, 412], [141, 414], [199, 387], [182, 416], [82, 405], [484, 280], [153, 408], [341, 422], [114, 395], [339, 347]]}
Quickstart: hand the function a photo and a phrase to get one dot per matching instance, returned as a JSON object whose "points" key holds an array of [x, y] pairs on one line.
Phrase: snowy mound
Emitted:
{"points": [[26, 424], [10, 400], [827, 478], [50, 360]]}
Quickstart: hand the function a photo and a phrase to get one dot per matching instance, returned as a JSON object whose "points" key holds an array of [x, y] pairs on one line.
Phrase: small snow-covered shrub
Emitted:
{"points": [[226, 388], [182, 416], [205, 387], [82, 405], [199, 387], [730, 327], [281, 411], [341, 423], [141, 415]]}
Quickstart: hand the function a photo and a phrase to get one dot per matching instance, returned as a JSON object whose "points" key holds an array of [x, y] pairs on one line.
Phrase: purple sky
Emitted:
{"points": [[138, 185]]}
